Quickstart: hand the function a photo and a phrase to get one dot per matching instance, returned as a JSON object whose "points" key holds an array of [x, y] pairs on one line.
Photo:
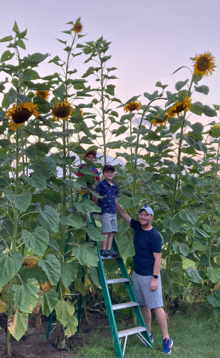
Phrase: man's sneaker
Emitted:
{"points": [[104, 253], [112, 253], [151, 337], [167, 345]]}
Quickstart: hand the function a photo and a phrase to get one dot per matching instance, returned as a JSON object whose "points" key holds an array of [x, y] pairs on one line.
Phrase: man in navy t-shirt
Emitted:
{"points": [[146, 274]]}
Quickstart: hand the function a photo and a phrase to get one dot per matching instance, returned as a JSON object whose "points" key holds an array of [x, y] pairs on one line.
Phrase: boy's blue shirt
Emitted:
{"points": [[107, 204]]}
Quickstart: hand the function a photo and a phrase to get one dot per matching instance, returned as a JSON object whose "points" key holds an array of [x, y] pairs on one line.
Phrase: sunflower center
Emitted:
{"points": [[21, 116], [62, 111], [132, 107], [179, 109], [203, 63]]}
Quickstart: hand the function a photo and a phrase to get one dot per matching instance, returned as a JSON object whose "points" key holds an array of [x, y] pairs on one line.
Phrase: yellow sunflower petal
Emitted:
{"points": [[132, 106], [204, 64]]}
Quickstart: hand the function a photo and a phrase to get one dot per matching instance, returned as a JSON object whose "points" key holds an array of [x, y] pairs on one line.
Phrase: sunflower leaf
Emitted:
{"points": [[151, 97], [202, 89], [6, 56], [15, 27], [7, 38], [181, 84]]}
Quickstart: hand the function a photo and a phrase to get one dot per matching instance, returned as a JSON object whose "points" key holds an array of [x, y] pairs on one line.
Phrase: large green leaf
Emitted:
{"points": [[48, 302], [95, 276], [51, 266], [64, 310], [126, 246], [128, 202], [9, 266], [194, 275], [69, 272], [200, 233], [188, 215], [20, 201], [49, 218], [37, 240], [26, 295], [94, 233], [214, 302], [37, 180], [213, 274], [180, 248], [17, 325], [74, 220], [42, 105], [86, 254], [6, 56], [173, 224], [88, 206], [30, 152]]}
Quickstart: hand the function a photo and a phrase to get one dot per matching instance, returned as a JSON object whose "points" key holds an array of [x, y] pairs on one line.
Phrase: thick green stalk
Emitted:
{"points": [[13, 241], [64, 191], [103, 115], [213, 205]]}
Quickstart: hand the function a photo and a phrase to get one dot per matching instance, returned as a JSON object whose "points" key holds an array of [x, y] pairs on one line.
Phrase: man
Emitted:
{"points": [[146, 275]]}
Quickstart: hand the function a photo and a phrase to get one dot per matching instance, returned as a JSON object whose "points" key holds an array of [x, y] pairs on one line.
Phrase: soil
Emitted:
{"points": [[35, 345]]}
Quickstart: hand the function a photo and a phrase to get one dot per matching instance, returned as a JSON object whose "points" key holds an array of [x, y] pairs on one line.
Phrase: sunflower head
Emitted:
{"points": [[204, 64], [179, 107], [155, 122], [43, 94], [132, 106], [20, 114], [215, 131], [77, 27], [62, 110]]}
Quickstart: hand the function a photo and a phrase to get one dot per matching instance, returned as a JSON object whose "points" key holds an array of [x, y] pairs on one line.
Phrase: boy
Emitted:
{"points": [[109, 190], [91, 156]]}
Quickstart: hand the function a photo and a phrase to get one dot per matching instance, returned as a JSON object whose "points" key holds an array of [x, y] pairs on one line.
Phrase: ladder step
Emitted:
{"points": [[120, 306], [117, 280], [129, 332]]}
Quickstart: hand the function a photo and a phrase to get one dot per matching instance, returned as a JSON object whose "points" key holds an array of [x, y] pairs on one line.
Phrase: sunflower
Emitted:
{"points": [[217, 127], [62, 110], [77, 28], [204, 64], [20, 114], [215, 131], [43, 94], [160, 123], [132, 106], [179, 107]]}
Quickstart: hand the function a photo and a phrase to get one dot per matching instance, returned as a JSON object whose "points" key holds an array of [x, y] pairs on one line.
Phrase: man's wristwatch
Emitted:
{"points": [[155, 276]]}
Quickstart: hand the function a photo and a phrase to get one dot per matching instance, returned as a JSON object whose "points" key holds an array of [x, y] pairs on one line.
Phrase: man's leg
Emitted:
{"points": [[146, 313], [162, 320]]}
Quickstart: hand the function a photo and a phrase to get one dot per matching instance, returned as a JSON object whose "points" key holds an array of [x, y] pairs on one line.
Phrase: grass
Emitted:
{"points": [[195, 335]]}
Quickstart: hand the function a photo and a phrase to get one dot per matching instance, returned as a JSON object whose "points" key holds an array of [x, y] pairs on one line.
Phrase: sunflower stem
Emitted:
{"points": [[13, 241]]}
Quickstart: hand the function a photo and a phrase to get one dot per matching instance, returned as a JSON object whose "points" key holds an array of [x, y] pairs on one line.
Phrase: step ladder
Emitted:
{"points": [[119, 336]]}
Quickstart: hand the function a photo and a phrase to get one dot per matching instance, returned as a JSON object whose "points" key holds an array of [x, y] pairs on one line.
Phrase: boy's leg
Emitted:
{"points": [[109, 240], [104, 243]]}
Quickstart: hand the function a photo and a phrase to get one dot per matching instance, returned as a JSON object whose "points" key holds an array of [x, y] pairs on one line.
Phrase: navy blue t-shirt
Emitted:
{"points": [[145, 243], [107, 204]]}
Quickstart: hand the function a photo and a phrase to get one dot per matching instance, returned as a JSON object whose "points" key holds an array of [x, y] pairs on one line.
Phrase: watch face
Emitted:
{"points": [[155, 276]]}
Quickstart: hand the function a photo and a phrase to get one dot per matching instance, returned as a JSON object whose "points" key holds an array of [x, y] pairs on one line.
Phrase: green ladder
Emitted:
{"points": [[141, 330]]}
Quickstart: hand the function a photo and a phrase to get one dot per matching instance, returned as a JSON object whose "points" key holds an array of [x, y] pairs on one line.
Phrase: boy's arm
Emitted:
{"points": [[122, 212]]}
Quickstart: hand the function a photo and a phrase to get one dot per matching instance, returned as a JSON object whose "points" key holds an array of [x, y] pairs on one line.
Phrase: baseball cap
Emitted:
{"points": [[108, 166], [93, 152], [147, 209]]}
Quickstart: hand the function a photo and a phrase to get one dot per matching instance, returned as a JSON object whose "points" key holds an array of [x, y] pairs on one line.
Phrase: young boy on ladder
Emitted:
{"points": [[109, 190]]}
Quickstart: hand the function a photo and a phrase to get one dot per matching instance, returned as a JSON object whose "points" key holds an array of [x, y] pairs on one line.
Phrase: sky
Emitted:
{"points": [[150, 38]]}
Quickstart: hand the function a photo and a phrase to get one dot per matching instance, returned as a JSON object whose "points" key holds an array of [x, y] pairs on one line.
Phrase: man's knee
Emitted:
{"points": [[158, 310]]}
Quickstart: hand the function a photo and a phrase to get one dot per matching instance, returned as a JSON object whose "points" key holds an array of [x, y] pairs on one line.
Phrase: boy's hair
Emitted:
{"points": [[93, 152], [108, 166]]}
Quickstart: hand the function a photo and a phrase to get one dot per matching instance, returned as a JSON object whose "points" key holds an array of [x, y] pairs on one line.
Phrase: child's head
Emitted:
{"points": [[90, 155], [108, 172]]}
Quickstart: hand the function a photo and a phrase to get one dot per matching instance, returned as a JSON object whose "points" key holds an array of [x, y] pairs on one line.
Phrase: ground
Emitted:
{"points": [[195, 334]]}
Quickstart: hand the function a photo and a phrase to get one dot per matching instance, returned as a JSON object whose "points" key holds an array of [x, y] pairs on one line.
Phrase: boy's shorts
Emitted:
{"points": [[109, 223], [143, 293]]}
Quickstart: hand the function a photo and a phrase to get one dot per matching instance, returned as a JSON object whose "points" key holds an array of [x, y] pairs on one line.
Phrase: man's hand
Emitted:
{"points": [[154, 284]]}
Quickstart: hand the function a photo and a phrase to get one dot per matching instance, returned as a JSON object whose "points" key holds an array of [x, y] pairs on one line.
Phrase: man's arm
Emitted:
{"points": [[156, 270], [122, 212]]}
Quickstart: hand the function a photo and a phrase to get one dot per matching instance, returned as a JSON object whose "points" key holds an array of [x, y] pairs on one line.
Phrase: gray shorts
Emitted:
{"points": [[146, 297], [109, 223]]}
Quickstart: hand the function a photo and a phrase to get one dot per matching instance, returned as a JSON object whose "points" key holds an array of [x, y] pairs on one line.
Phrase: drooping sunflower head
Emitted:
{"points": [[179, 107], [20, 114], [156, 122], [43, 94], [204, 64], [62, 110], [78, 27], [132, 106]]}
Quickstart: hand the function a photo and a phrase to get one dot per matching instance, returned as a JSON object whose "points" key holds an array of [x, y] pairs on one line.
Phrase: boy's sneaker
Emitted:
{"points": [[104, 253], [151, 337], [112, 253], [167, 345]]}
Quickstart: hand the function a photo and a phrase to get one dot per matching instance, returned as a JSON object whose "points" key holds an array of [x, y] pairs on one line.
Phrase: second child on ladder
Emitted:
{"points": [[109, 190]]}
